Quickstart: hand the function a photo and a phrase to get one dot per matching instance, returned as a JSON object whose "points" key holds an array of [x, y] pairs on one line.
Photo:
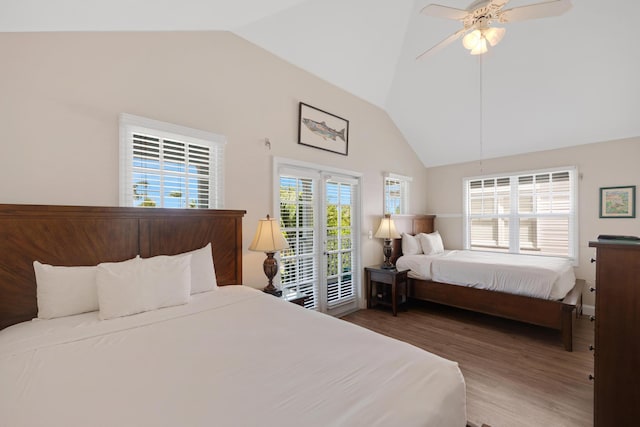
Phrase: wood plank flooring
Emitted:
{"points": [[515, 374]]}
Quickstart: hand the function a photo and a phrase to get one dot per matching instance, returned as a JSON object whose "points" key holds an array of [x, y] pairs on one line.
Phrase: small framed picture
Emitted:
{"points": [[618, 202], [323, 130]]}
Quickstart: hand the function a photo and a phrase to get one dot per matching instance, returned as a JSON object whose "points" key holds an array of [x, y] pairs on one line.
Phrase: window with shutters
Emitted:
{"points": [[169, 166], [396, 194], [530, 213]]}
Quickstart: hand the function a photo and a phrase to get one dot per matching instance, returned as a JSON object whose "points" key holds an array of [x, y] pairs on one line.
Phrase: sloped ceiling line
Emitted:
{"points": [[551, 83]]}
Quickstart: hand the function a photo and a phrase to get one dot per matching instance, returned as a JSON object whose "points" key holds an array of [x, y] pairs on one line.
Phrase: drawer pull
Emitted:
{"points": [[592, 289], [592, 318], [593, 260], [591, 377], [591, 347]]}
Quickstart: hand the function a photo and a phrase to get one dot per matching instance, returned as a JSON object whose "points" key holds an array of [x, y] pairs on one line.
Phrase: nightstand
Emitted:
{"points": [[294, 297], [385, 287]]}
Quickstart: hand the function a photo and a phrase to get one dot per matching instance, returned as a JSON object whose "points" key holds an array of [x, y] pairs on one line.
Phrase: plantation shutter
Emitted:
{"points": [[533, 213], [162, 168], [396, 194], [340, 250], [490, 207], [546, 211], [298, 265]]}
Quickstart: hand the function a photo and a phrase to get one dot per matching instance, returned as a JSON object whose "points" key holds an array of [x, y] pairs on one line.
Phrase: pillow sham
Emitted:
{"points": [[143, 285], [410, 245], [431, 243], [203, 273], [65, 291]]}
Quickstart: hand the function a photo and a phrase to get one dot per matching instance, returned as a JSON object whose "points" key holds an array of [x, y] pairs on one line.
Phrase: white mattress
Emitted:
{"points": [[528, 275], [231, 357]]}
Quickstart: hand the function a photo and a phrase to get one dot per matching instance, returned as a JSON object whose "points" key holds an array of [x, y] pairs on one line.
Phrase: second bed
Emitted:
{"points": [[530, 289]]}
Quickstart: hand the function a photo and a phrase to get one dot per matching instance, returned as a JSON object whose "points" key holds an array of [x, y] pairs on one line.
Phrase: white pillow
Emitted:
{"points": [[203, 273], [410, 245], [144, 285], [65, 291], [431, 243]]}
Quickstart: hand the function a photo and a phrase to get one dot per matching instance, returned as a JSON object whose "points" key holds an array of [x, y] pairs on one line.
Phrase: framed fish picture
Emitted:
{"points": [[323, 130]]}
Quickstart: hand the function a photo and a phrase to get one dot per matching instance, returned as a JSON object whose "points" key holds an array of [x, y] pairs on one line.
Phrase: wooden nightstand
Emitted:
{"points": [[385, 287], [294, 297]]}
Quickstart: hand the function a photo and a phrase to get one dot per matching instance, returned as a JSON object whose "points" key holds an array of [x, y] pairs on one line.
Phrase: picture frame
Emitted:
{"points": [[323, 130], [618, 202]]}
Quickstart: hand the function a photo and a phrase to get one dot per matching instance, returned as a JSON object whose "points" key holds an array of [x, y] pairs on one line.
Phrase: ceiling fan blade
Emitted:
{"points": [[446, 12], [453, 37], [535, 11]]}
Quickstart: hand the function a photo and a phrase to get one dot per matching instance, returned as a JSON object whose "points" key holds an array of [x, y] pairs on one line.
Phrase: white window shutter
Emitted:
{"points": [[530, 213], [165, 165]]}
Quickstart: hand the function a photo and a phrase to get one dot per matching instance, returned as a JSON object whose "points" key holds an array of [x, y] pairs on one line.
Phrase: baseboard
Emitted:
{"points": [[588, 310]]}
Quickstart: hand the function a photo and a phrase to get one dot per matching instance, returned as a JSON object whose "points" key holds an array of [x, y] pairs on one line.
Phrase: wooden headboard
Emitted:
{"points": [[79, 235], [410, 224]]}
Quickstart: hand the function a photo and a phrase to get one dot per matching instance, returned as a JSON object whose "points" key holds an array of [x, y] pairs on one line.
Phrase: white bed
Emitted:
{"points": [[230, 357], [528, 275]]}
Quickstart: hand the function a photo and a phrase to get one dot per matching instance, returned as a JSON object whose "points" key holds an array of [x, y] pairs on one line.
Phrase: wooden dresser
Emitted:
{"points": [[617, 333]]}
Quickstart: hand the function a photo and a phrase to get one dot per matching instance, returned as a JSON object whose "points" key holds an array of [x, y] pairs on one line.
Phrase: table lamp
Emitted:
{"points": [[387, 231], [269, 239]]}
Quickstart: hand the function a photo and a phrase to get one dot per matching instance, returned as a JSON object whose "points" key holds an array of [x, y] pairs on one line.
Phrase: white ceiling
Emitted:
{"points": [[554, 82]]}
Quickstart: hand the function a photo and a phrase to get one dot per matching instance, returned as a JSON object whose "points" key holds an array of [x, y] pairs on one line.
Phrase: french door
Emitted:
{"points": [[319, 218]]}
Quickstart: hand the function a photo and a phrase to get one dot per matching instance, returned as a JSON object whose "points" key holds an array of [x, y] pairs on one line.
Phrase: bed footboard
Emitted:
{"points": [[556, 315]]}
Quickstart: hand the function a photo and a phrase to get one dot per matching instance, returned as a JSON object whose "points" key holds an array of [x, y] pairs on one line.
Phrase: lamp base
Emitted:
{"points": [[387, 250], [270, 267], [389, 266], [275, 291]]}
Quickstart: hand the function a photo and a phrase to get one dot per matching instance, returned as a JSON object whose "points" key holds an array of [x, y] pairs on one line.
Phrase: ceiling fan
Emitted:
{"points": [[478, 17]]}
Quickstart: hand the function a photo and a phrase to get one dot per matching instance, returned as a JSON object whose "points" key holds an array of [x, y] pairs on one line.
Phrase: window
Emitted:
{"points": [[396, 194], [530, 213], [169, 166]]}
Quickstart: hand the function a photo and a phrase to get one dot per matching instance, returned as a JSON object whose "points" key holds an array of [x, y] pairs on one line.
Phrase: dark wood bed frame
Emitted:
{"points": [[552, 314], [78, 235]]}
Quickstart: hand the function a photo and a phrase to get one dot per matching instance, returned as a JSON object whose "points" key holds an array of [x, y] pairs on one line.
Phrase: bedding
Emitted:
{"points": [[65, 291], [235, 356], [528, 275], [146, 284], [410, 245], [431, 243], [203, 273]]}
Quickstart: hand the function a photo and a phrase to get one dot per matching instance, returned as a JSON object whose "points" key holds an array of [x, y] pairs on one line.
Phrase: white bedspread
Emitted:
{"points": [[231, 357], [528, 275]]}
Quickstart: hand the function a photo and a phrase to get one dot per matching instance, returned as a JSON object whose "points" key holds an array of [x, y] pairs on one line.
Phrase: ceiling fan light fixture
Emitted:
{"points": [[471, 40], [480, 48], [494, 35]]}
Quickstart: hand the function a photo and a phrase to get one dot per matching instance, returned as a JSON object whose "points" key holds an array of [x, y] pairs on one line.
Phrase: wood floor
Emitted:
{"points": [[515, 374]]}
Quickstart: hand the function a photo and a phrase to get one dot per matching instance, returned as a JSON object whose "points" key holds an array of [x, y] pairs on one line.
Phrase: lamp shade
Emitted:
{"points": [[480, 48], [476, 41], [471, 40], [268, 237], [494, 35], [387, 229]]}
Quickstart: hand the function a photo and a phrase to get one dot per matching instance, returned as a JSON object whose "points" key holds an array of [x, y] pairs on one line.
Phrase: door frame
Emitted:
{"points": [[323, 171]]}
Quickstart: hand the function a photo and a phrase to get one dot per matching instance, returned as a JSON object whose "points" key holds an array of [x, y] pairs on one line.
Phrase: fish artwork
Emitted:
{"points": [[322, 130]]}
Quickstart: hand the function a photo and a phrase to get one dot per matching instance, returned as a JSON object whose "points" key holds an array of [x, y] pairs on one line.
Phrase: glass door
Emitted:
{"points": [[319, 218], [340, 251]]}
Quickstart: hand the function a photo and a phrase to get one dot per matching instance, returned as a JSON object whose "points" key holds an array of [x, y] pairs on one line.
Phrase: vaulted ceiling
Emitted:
{"points": [[550, 83]]}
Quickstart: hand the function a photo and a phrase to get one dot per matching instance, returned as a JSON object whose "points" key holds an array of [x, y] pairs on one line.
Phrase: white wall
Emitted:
{"points": [[607, 164], [61, 94]]}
